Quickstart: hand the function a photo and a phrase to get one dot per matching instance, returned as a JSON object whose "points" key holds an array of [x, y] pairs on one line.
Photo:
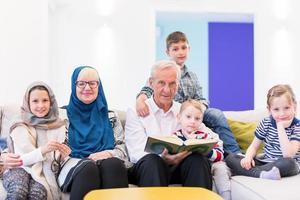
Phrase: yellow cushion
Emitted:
{"points": [[243, 133]]}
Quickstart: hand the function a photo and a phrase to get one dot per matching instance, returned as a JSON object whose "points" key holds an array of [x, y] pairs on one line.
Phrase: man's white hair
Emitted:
{"points": [[163, 64]]}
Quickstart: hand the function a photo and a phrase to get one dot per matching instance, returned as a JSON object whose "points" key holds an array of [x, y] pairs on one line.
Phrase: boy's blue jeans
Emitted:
{"points": [[3, 144], [216, 120]]}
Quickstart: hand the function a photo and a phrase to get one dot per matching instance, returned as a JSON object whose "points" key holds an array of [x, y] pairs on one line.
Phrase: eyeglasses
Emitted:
{"points": [[82, 84]]}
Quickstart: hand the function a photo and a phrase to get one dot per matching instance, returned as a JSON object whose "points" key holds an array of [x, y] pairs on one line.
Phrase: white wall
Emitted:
{"points": [[23, 47], [120, 44], [276, 27]]}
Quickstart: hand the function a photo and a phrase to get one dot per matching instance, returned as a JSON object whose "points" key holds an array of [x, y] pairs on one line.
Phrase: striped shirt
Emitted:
{"points": [[216, 153], [267, 132]]}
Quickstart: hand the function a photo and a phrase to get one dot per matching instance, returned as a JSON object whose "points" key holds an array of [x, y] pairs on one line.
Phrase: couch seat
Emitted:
{"points": [[248, 188]]}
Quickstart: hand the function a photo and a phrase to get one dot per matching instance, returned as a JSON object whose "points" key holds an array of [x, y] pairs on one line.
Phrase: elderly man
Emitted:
{"points": [[186, 168]]}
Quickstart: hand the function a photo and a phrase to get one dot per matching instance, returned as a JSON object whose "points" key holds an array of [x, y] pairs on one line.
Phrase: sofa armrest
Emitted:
{"points": [[122, 116], [10, 114]]}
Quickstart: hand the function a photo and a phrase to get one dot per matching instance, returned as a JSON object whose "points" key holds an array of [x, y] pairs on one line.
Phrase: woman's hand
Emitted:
{"points": [[142, 108], [10, 160], [175, 158], [247, 163], [100, 155]]}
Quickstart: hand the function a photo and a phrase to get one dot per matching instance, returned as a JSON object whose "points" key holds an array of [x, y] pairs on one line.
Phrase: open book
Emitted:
{"points": [[156, 144]]}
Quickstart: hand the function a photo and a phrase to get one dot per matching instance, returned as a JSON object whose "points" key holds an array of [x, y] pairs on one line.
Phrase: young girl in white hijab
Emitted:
{"points": [[38, 140]]}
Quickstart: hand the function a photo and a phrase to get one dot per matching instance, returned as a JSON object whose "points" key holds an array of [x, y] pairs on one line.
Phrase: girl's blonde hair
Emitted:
{"points": [[279, 90], [191, 102]]}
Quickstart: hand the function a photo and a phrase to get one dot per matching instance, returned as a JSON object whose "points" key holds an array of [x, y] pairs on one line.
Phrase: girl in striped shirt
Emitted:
{"points": [[190, 119], [280, 133]]}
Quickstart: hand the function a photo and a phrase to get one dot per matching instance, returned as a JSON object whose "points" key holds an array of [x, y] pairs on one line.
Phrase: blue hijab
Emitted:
{"points": [[90, 130]]}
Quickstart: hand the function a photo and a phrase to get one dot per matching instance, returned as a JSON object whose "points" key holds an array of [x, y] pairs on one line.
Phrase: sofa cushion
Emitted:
{"points": [[243, 133], [2, 191], [243, 125]]}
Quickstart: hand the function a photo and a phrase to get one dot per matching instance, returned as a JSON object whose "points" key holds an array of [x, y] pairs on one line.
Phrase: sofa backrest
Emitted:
{"points": [[247, 115], [122, 116], [9, 115]]}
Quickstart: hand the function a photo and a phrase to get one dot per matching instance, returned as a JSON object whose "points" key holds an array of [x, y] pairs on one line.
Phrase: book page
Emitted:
{"points": [[202, 146], [199, 141], [156, 144], [169, 139]]}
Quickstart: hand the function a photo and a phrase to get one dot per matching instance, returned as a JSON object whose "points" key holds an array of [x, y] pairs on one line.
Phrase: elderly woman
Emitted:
{"points": [[96, 138]]}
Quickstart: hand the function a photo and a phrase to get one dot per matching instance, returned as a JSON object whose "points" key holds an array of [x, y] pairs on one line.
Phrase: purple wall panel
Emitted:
{"points": [[231, 66]]}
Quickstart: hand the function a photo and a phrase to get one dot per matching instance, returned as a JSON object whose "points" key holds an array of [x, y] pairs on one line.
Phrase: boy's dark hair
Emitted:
{"points": [[176, 37]]}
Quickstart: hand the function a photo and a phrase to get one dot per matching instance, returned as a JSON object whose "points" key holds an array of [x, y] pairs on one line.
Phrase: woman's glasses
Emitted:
{"points": [[82, 84]]}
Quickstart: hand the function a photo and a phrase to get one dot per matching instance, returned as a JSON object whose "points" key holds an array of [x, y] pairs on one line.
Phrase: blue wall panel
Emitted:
{"points": [[231, 66]]}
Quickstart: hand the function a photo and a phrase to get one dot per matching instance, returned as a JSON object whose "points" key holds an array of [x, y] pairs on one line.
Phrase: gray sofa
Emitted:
{"points": [[242, 188]]}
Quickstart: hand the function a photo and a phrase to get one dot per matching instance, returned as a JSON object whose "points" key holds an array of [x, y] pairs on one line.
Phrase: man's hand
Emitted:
{"points": [[175, 158]]}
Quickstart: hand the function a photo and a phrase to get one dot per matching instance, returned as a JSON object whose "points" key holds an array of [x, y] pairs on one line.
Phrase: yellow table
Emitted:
{"points": [[153, 193]]}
